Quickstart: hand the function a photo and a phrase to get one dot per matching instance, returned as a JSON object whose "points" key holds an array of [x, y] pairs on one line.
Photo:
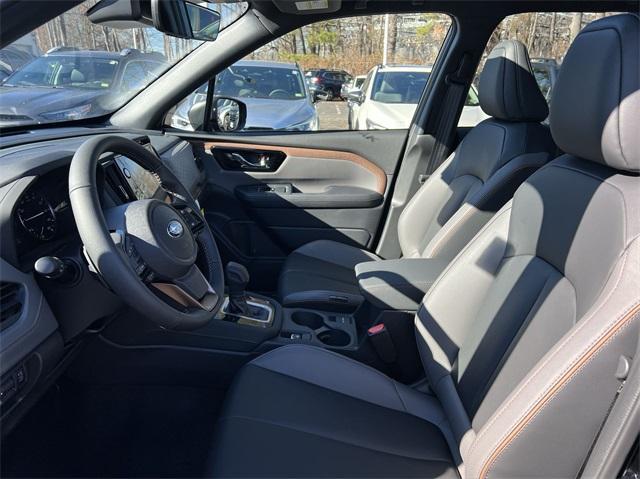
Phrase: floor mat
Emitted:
{"points": [[99, 431]]}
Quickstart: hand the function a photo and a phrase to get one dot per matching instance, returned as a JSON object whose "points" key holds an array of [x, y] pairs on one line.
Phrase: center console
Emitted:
{"points": [[320, 328], [250, 324], [296, 325]]}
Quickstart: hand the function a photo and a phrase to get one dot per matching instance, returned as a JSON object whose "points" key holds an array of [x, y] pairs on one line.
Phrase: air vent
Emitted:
{"points": [[11, 302]]}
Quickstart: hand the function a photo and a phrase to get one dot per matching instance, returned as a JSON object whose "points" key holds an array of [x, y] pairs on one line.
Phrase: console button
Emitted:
{"points": [[21, 376], [7, 389]]}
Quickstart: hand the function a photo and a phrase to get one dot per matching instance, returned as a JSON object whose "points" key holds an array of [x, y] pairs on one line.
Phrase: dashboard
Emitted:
{"points": [[42, 220], [40, 318], [43, 216]]}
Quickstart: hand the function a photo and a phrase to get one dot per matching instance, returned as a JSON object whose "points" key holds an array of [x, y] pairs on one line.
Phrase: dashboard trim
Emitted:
{"points": [[35, 324]]}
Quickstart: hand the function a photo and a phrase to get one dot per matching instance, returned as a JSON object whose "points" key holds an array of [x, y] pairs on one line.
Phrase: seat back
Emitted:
{"points": [[521, 335], [493, 159]]}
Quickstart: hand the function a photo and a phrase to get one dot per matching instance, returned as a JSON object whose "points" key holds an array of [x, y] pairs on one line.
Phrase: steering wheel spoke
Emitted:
{"points": [[193, 219], [115, 218], [190, 291], [116, 223]]}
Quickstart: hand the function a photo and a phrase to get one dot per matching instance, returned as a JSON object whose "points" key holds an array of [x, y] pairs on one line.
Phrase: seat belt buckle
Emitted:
{"points": [[382, 343]]}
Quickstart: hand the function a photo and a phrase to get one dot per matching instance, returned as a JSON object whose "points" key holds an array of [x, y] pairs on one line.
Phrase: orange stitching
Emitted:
{"points": [[565, 378]]}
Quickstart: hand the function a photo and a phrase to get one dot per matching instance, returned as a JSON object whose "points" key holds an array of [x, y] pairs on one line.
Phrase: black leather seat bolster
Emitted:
{"points": [[280, 417]]}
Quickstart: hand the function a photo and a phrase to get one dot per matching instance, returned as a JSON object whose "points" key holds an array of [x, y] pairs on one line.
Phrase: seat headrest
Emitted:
{"points": [[595, 105], [508, 89]]}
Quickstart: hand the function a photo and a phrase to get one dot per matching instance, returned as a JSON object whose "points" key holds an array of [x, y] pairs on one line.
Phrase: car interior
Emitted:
{"points": [[437, 301]]}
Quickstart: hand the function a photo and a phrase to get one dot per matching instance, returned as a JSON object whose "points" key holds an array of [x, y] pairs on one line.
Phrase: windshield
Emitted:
{"points": [[71, 69], [261, 82], [399, 86]]}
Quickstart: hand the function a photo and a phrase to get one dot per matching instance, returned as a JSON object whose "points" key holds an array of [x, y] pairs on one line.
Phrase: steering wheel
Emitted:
{"points": [[279, 92], [146, 250]]}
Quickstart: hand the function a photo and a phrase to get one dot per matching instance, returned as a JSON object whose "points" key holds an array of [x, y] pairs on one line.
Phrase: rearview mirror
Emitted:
{"points": [[184, 19], [227, 114], [177, 18]]}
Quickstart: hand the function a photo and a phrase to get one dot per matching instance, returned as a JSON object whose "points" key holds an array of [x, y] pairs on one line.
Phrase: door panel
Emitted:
{"points": [[290, 189]]}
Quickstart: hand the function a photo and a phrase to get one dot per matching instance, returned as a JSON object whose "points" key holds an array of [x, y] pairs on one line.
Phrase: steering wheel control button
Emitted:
{"points": [[192, 218], [175, 229]]}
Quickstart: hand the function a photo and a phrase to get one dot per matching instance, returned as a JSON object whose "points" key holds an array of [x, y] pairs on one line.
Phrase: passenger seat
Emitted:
{"points": [[493, 159]]}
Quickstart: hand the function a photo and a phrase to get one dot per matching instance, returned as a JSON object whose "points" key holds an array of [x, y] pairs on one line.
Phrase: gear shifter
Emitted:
{"points": [[237, 280]]}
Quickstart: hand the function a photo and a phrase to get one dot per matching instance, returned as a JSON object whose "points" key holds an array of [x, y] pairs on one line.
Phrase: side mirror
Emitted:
{"points": [[228, 114], [356, 96], [196, 115]]}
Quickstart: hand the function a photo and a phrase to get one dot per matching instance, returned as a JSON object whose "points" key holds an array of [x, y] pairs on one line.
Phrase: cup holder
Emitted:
{"points": [[334, 337], [308, 318]]}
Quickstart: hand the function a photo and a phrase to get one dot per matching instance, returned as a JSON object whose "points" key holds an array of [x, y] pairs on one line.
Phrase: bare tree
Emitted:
{"points": [[393, 37], [576, 26]]}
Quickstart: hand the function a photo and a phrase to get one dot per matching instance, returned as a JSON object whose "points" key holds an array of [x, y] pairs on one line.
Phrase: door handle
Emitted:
{"points": [[261, 161], [248, 159]]}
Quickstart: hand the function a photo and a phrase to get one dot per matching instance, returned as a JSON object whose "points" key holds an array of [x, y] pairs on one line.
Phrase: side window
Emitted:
{"points": [[547, 36], [472, 97], [307, 80]]}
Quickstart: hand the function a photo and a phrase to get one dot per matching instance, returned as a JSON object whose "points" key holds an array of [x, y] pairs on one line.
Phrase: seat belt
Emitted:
{"points": [[457, 84]]}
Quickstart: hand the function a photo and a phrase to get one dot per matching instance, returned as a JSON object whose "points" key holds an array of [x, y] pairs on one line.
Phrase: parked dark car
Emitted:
{"points": [[546, 72], [16, 55], [67, 84], [326, 84]]}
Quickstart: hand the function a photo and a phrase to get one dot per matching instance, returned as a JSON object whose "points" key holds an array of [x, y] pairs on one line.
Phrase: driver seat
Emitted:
{"points": [[519, 337]]}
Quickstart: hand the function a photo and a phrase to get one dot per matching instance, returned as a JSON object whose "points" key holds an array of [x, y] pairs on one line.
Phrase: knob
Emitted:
{"points": [[237, 278], [50, 267]]}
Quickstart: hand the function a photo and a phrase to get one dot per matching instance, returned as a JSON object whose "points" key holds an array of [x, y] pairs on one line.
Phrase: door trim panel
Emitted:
{"points": [[312, 153]]}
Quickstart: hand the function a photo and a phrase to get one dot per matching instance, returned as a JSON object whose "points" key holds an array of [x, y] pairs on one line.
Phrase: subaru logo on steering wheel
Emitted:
{"points": [[175, 229]]}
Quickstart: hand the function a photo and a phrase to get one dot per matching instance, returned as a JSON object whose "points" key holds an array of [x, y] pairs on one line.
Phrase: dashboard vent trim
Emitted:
{"points": [[11, 303]]}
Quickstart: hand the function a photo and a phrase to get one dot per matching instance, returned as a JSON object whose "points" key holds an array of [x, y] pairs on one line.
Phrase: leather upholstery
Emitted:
{"points": [[321, 274], [281, 420], [519, 337], [398, 284], [508, 89], [597, 97], [482, 174]]}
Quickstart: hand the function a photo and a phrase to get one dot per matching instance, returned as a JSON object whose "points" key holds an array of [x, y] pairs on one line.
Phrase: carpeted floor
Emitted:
{"points": [[114, 431]]}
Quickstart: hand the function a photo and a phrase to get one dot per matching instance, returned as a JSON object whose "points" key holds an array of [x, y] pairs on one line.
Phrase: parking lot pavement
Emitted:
{"points": [[333, 115]]}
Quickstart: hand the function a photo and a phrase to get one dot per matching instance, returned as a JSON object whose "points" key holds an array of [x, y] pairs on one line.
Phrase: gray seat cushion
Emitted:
{"points": [[332, 417]]}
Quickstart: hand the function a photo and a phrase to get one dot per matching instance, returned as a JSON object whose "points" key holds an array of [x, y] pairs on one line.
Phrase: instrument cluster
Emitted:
{"points": [[43, 214]]}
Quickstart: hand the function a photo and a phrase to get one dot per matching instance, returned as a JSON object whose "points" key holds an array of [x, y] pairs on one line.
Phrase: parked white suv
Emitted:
{"points": [[390, 95]]}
